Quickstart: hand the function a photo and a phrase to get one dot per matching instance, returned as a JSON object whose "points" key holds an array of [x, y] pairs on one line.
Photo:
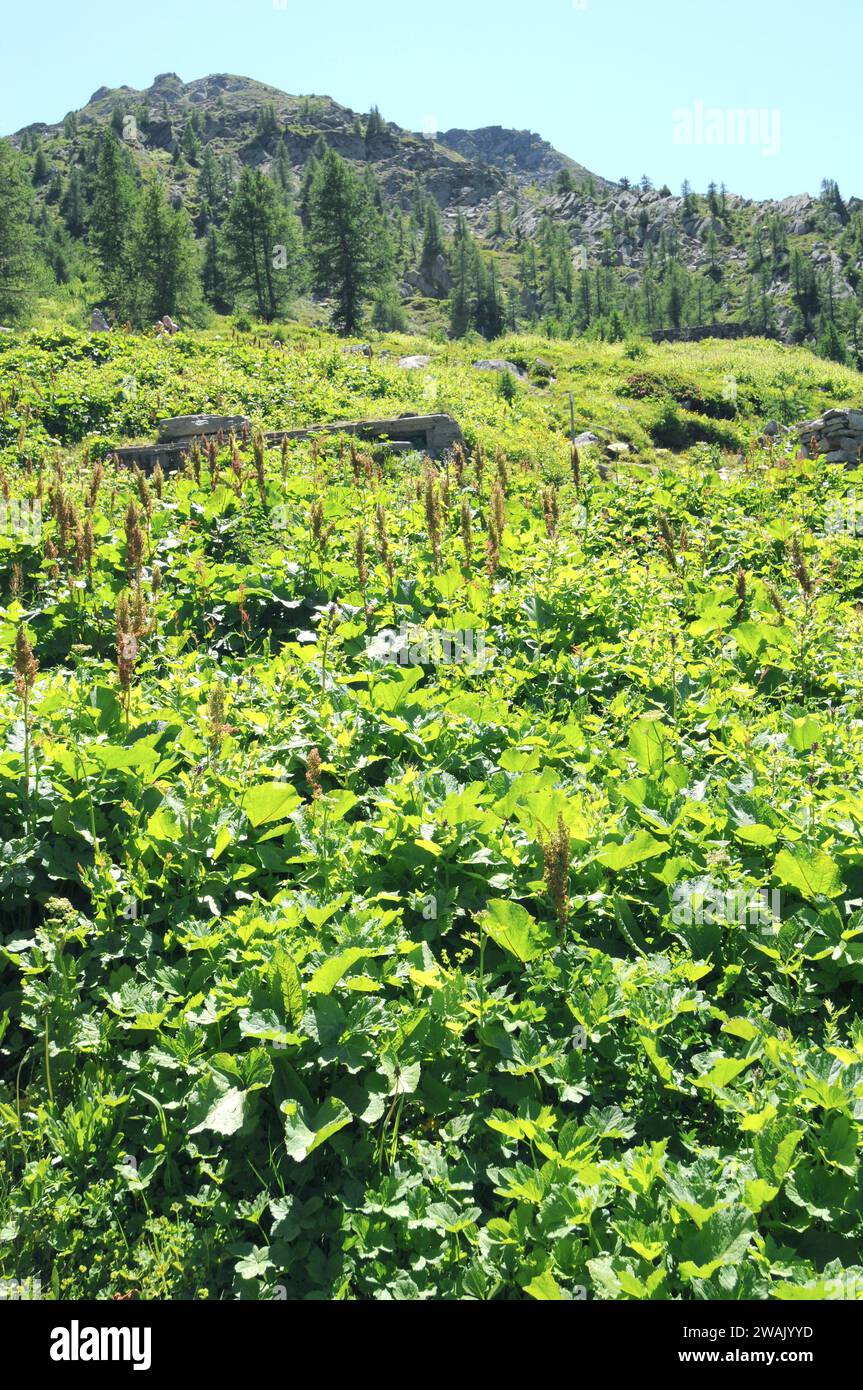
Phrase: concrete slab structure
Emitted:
{"points": [[431, 434]]}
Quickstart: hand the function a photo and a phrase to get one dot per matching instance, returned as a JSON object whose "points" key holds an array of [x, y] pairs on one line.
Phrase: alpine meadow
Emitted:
{"points": [[431, 716]]}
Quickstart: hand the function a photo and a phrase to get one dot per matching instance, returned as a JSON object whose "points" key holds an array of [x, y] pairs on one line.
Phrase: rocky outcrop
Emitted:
{"points": [[433, 281], [515, 151]]}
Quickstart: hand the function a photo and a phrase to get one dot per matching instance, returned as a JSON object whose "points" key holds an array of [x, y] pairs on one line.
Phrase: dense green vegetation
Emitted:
{"points": [[428, 880]]}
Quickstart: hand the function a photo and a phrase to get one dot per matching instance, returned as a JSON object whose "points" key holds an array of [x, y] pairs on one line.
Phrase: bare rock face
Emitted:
{"points": [[433, 282], [837, 435], [513, 151]]}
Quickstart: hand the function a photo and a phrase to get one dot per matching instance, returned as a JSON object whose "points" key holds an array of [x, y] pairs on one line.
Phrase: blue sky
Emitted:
{"points": [[624, 86]]}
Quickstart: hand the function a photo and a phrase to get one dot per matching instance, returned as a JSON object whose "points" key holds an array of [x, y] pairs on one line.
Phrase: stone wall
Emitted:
{"points": [[838, 434], [695, 335]]}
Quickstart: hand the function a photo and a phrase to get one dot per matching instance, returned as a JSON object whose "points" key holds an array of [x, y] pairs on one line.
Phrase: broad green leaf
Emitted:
{"points": [[805, 733], [327, 976], [722, 1240], [642, 846], [757, 1193], [740, 1028], [511, 926], [544, 1287], [756, 834], [270, 801], [723, 1072], [223, 839], [305, 1131], [814, 875], [649, 1043], [292, 989], [650, 745], [224, 1110]]}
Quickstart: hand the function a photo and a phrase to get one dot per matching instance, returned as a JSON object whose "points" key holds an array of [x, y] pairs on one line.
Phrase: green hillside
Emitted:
{"points": [[429, 879]]}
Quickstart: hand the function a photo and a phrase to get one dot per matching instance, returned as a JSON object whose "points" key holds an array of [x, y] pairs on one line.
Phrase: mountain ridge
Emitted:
{"points": [[508, 187]]}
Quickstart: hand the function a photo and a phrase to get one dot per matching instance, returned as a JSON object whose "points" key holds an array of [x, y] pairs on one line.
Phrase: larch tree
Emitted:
{"points": [[350, 248], [16, 235], [263, 243], [163, 259]]}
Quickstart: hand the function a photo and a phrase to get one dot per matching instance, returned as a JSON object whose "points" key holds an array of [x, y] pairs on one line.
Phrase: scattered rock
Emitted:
{"points": [[772, 433], [617, 449], [415, 363], [497, 364], [98, 322], [588, 437], [364, 349]]}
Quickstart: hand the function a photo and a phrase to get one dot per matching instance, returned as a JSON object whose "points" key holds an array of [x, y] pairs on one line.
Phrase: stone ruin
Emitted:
{"points": [[837, 434], [698, 335], [430, 434]]}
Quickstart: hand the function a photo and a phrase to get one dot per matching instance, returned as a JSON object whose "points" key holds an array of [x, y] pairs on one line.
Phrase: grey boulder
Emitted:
{"points": [[498, 364]]}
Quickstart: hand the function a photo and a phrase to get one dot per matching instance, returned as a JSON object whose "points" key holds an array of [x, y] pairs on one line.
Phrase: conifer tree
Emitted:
{"points": [[349, 243], [432, 236], [213, 273], [374, 124], [41, 167], [16, 236], [73, 205], [461, 306], [112, 213], [163, 262], [208, 180], [263, 242]]}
